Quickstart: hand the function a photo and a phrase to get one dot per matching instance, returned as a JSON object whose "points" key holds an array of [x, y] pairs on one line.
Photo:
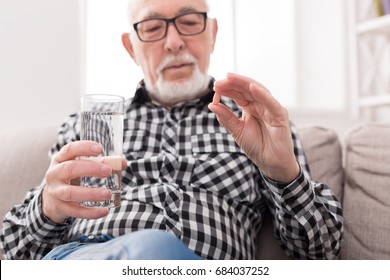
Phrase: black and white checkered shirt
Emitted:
{"points": [[186, 175]]}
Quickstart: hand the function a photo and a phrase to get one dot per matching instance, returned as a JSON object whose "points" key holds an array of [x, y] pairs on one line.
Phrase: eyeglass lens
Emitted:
{"points": [[155, 29]]}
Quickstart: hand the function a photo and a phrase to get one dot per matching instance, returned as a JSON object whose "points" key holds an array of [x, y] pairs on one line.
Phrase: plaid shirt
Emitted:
{"points": [[186, 175]]}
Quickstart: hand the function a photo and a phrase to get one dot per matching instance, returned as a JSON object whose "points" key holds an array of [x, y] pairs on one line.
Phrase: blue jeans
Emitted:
{"points": [[140, 245]]}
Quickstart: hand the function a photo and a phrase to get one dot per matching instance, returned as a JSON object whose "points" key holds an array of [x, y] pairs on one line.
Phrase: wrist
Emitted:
{"points": [[284, 176], [48, 210]]}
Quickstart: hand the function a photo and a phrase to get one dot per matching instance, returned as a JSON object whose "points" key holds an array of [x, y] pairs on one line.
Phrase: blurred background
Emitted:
{"points": [[327, 61]]}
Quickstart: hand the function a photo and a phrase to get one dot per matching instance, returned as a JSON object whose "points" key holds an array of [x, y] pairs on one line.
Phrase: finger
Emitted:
{"points": [[226, 118], [234, 82], [228, 89], [216, 97], [124, 164], [77, 194], [238, 88], [268, 101], [117, 163], [242, 82], [77, 149], [240, 98], [77, 168], [249, 93]]}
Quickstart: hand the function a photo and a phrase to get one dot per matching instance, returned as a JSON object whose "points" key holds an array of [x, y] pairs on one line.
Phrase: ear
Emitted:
{"points": [[214, 23], [128, 46]]}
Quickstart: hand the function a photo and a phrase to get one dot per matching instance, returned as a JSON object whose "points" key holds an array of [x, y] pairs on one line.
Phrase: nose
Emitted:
{"points": [[174, 41]]}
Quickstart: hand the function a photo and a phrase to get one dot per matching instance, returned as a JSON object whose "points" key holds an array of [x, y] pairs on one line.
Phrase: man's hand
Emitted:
{"points": [[61, 199], [263, 132]]}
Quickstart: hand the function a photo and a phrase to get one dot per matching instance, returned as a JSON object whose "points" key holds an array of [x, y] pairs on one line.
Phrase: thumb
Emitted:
{"points": [[226, 118]]}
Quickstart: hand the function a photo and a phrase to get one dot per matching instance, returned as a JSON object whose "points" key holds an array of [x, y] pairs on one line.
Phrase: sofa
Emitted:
{"points": [[356, 166]]}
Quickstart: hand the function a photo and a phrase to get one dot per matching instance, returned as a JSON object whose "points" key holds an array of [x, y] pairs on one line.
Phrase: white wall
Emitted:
{"points": [[109, 68], [265, 45], [41, 61], [321, 55], [322, 61]]}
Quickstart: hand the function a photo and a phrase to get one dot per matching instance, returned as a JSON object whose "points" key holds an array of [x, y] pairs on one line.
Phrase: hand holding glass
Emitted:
{"points": [[102, 122]]}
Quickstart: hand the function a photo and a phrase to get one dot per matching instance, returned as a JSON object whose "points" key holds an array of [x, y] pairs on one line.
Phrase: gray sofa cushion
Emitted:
{"points": [[324, 154], [367, 193]]}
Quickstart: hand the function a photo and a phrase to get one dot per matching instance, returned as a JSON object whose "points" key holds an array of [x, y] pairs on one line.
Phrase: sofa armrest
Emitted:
{"points": [[24, 154], [323, 151]]}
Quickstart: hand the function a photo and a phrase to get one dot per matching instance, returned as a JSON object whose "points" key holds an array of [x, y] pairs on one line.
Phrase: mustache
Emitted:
{"points": [[183, 58]]}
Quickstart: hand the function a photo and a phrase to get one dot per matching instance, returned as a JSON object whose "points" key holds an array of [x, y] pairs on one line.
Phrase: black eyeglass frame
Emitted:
{"points": [[168, 21]]}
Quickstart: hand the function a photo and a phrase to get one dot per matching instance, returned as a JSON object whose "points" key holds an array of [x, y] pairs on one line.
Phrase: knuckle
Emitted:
{"points": [[63, 153], [49, 190], [49, 176], [67, 169], [68, 194], [66, 149], [75, 212]]}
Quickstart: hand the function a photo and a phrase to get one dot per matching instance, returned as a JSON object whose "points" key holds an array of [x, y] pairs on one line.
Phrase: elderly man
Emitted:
{"points": [[203, 160]]}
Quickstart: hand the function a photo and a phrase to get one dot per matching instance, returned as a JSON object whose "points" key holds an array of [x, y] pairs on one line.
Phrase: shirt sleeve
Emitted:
{"points": [[26, 233], [307, 216]]}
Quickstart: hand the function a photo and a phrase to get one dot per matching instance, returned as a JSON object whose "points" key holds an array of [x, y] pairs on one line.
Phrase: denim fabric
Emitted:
{"points": [[140, 245]]}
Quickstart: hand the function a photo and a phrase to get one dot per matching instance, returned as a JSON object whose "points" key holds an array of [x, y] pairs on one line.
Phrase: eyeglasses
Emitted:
{"points": [[151, 30]]}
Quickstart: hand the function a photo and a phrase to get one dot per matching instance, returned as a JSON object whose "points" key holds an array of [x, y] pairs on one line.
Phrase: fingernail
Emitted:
{"points": [[106, 169], [106, 194], [95, 148]]}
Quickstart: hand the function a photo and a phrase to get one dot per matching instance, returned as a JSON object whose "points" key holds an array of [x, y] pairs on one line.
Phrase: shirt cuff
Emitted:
{"points": [[40, 227], [296, 197]]}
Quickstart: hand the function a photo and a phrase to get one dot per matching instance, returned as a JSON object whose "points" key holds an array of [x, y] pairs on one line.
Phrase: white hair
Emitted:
{"points": [[130, 8], [129, 17]]}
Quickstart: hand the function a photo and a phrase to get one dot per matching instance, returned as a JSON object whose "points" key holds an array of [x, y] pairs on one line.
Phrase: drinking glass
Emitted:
{"points": [[102, 122]]}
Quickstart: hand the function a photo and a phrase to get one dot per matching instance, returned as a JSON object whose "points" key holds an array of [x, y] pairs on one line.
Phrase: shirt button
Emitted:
{"points": [[171, 214], [291, 200]]}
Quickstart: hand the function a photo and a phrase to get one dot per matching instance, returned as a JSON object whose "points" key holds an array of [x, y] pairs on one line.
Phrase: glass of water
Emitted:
{"points": [[102, 122]]}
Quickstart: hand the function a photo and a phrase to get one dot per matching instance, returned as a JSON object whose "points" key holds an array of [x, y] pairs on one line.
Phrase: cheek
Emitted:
{"points": [[203, 57], [149, 64], [204, 63]]}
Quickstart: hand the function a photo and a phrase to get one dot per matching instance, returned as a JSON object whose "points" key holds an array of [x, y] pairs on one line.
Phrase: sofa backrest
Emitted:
{"points": [[367, 192]]}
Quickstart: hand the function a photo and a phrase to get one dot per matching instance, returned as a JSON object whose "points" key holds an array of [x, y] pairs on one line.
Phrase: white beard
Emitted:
{"points": [[173, 92]]}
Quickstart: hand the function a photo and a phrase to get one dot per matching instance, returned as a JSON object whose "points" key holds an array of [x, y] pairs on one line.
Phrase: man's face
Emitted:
{"points": [[166, 58]]}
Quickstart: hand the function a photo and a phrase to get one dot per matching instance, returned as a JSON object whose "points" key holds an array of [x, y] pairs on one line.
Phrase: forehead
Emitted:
{"points": [[142, 9]]}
